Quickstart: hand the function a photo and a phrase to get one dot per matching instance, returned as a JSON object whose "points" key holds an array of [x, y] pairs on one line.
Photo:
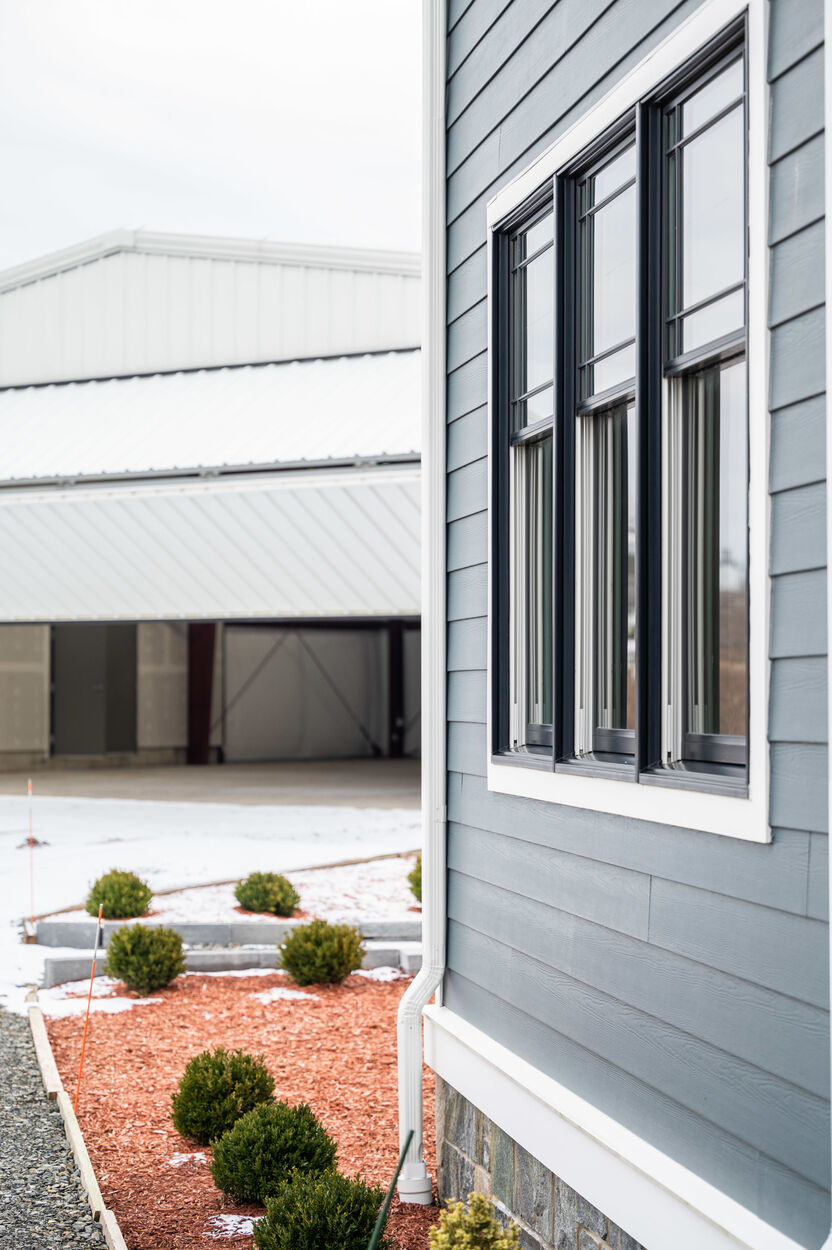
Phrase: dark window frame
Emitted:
{"points": [[725, 769]]}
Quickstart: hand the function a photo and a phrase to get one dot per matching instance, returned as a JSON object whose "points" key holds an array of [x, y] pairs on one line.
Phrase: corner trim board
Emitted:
{"points": [[655, 1199]]}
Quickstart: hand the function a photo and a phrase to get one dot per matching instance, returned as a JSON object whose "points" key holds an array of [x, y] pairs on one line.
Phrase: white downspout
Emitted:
{"points": [[827, 233], [415, 1184]]}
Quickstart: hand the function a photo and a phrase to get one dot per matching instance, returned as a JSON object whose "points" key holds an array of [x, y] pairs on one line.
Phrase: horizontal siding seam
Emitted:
{"points": [[791, 490], [780, 911], [795, 316], [804, 56], [467, 824], [805, 225], [531, 147], [804, 399], [518, 100], [450, 272], [466, 310], [648, 1016], [503, 64], [452, 28], [459, 416], [810, 568], [796, 147]]}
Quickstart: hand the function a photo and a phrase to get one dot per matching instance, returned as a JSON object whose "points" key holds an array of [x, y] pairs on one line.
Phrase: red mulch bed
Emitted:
{"points": [[337, 1053]]}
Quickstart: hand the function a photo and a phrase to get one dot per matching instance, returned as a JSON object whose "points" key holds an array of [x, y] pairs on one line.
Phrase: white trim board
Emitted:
{"points": [[739, 817], [662, 1204]]}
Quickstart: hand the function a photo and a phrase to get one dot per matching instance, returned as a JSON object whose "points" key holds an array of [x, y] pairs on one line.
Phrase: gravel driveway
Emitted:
{"points": [[42, 1203]]}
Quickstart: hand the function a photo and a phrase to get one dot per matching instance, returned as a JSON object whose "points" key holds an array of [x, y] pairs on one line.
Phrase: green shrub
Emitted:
{"points": [[254, 1157], [320, 1211], [473, 1229], [415, 879], [145, 957], [267, 891], [216, 1089], [123, 894], [318, 952]]}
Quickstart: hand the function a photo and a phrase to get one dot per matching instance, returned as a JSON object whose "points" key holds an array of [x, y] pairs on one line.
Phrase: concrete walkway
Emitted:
{"points": [[340, 783]]}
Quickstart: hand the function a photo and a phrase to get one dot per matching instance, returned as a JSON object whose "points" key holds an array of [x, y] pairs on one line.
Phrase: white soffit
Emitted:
{"points": [[347, 407], [321, 543]]}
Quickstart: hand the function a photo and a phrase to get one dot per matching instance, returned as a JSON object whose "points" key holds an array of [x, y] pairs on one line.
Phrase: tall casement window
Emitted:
{"points": [[620, 455]]}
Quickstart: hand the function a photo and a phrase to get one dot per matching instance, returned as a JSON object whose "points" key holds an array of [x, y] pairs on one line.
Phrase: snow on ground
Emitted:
{"points": [[70, 999], [346, 895], [380, 974], [230, 1226], [280, 992], [179, 1160], [170, 845]]}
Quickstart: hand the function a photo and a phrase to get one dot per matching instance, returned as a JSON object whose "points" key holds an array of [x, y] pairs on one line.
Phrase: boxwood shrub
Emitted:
{"points": [[123, 894], [474, 1226], [321, 1211], [255, 1157], [216, 1089], [145, 957], [415, 879], [267, 891], [319, 953]]}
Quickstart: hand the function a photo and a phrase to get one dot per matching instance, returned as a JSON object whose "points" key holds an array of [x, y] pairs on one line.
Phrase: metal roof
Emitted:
{"points": [[210, 247], [341, 409], [321, 543]]}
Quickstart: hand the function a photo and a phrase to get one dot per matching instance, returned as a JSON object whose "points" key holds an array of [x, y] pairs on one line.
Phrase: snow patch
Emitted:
{"points": [[60, 1008], [239, 972], [179, 1160], [230, 1226], [380, 974], [73, 989], [279, 991]]}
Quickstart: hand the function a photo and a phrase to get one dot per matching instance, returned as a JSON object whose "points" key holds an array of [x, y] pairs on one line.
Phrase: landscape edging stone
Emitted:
{"points": [[80, 934], [403, 955], [72, 1129]]}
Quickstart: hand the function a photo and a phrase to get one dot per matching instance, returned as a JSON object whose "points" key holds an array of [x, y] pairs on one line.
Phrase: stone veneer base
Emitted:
{"points": [[474, 1155]]}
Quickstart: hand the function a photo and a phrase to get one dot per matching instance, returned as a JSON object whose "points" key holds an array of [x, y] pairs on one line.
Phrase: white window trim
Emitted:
{"points": [[734, 816], [655, 1199]]}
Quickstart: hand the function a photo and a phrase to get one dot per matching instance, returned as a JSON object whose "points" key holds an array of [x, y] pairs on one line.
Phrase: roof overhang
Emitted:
{"points": [[316, 543]]}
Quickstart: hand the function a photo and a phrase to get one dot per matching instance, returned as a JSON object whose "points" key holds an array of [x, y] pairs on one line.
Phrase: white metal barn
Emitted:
{"points": [[209, 502]]}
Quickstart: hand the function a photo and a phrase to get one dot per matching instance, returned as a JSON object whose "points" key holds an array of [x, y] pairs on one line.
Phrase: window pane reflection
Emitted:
{"points": [[534, 324], [607, 277], [614, 369], [535, 408], [535, 634], [713, 321], [713, 210], [614, 272], [716, 541], [716, 95], [614, 613]]}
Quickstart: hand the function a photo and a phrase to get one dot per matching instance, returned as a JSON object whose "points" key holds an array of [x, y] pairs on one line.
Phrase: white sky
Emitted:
{"points": [[283, 119]]}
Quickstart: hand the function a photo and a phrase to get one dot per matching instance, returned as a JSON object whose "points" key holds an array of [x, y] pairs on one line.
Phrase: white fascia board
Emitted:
{"points": [[249, 483], [659, 1202], [211, 247], [739, 817]]}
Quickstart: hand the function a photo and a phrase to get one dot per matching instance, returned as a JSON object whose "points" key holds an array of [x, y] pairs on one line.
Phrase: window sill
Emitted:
{"points": [[707, 804], [702, 781]]}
